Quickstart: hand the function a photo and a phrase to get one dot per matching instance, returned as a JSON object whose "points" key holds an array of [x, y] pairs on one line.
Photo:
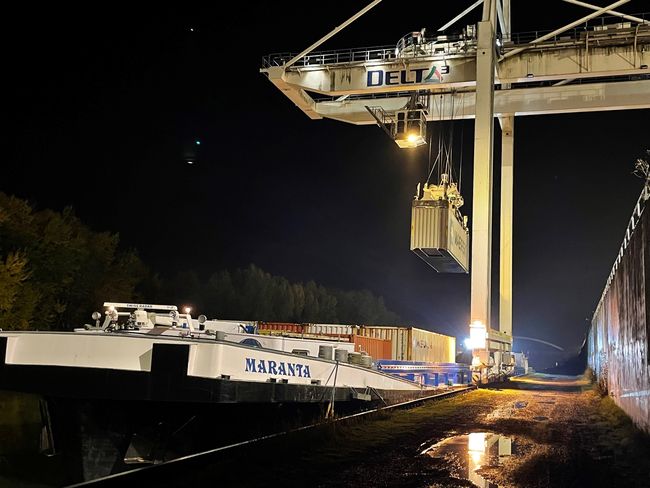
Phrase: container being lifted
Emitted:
{"points": [[439, 233]]}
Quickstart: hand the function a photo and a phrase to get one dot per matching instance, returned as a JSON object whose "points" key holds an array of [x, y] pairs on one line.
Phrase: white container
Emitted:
{"points": [[438, 236], [331, 329], [413, 344]]}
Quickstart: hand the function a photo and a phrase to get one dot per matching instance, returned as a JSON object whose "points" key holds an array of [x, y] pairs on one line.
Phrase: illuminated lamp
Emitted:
{"points": [[410, 128], [477, 334]]}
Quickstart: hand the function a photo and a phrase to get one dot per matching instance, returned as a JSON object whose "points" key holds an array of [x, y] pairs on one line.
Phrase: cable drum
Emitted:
{"points": [[325, 352], [341, 355], [366, 360], [354, 358]]}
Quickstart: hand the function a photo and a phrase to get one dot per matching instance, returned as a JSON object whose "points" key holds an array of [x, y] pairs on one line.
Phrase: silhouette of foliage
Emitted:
{"points": [[254, 294], [54, 271]]}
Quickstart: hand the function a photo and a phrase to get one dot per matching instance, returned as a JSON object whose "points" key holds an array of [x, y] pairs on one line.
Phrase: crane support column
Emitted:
{"points": [[481, 266], [482, 191], [505, 255]]}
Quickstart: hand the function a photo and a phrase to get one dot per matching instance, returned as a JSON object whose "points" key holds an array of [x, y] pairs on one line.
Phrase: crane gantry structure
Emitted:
{"points": [[591, 64]]}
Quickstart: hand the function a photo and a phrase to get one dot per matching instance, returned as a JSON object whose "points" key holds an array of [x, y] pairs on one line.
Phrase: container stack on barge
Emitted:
{"points": [[149, 383], [418, 355]]}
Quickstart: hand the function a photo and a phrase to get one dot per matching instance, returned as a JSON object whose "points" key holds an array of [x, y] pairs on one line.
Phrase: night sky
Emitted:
{"points": [[105, 101]]}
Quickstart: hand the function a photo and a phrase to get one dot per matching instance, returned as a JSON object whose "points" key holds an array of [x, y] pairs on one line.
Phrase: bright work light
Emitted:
{"points": [[477, 334]]}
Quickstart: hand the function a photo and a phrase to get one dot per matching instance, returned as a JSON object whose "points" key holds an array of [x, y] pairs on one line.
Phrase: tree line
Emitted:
{"points": [[55, 271]]}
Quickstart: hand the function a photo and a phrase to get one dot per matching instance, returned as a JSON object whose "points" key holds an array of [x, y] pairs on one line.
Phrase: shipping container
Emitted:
{"points": [[332, 329], [299, 331], [412, 344], [398, 336], [377, 348], [283, 327], [432, 347]]}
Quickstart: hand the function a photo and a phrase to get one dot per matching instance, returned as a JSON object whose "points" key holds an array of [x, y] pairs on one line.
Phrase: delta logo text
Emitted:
{"points": [[277, 368], [406, 76]]}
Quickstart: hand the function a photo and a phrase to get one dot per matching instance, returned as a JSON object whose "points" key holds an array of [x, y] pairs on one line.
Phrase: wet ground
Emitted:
{"points": [[538, 432]]}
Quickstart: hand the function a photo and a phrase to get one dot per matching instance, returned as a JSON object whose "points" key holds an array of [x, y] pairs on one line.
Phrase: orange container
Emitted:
{"points": [[283, 327], [377, 348]]}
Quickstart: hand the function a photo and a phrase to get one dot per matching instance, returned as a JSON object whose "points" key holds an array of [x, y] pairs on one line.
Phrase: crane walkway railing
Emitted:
{"points": [[604, 27], [342, 56]]}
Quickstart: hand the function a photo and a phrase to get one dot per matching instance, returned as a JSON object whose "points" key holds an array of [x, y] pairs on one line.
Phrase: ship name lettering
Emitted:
{"points": [[277, 368]]}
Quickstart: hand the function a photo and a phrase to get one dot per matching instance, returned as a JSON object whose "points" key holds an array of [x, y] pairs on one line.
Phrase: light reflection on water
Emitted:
{"points": [[472, 452]]}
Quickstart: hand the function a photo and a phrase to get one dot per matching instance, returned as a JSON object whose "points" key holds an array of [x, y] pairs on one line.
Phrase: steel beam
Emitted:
{"points": [[297, 95], [332, 33], [561, 61], [506, 223], [611, 12], [565, 28], [507, 21], [593, 97], [481, 266], [460, 15]]}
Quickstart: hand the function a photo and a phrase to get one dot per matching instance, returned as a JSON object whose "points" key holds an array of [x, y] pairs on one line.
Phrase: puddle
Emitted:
{"points": [[540, 418], [521, 404], [466, 454]]}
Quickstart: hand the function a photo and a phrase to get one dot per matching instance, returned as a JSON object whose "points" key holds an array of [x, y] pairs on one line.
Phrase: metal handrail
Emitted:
{"points": [[575, 33], [382, 53], [332, 57]]}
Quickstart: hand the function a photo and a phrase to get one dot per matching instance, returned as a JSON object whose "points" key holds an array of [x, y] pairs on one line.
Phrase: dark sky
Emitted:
{"points": [[103, 100]]}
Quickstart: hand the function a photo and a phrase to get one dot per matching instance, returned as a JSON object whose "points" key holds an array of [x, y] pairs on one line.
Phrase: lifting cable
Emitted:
{"points": [[445, 154], [445, 146], [460, 161], [430, 134], [432, 166]]}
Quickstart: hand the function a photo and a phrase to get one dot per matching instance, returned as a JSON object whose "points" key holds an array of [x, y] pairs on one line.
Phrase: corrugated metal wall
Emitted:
{"points": [[399, 337], [618, 339], [377, 348], [429, 225], [412, 344], [331, 329], [283, 327], [432, 347]]}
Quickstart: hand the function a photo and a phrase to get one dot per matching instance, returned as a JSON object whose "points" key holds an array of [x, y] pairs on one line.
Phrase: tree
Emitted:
{"points": [[254, 294], [56, 270]]}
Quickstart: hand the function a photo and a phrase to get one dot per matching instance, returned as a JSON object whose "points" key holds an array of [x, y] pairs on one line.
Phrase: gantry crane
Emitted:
{"points": [[485, 72]]}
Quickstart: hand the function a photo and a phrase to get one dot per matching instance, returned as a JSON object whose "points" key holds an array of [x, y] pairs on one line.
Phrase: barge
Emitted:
{"points": [[150, 384]]}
